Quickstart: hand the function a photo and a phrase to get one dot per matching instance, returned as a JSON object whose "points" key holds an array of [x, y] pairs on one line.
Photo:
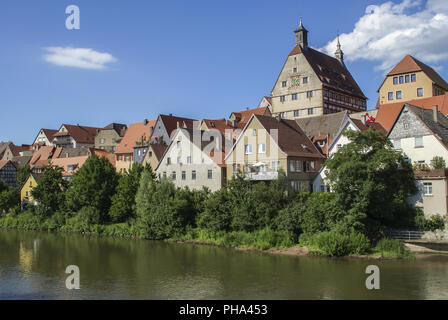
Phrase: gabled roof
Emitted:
{"points": [[136, 132], [81, 134], [5, 162], [439, 128], [170, 122], [158, 150], [331, 72], [44, 153], [388, 113], [323, 125], [374, 125], [3, 147], [20, 161], [245, 115], [119, 128], [16, 150], [223, 125], [411, 64]]}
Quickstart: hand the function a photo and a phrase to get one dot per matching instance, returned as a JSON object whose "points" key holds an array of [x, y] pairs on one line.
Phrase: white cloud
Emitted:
{"points": [[387, 32], [83, 58]]}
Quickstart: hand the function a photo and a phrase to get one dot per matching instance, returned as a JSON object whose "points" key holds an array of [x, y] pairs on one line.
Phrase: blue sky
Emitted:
{"points": [[199, 59]]}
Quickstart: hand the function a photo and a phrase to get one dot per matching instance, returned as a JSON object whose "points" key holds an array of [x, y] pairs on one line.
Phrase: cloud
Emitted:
{"points": [[387, 32], [83, 58]]}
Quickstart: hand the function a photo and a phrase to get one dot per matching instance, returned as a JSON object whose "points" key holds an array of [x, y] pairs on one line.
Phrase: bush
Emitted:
{"points": [[335, 243], [434, 223], [390, 245]]}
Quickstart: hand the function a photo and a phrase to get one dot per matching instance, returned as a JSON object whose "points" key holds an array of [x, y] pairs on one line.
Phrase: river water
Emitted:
{"points": [[33, 264]]}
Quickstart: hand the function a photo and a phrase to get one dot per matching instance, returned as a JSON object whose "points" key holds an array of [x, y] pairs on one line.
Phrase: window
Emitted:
{"points": [[184, 175], [254, 132], [164, 175], [397, 144], [193, 175], [399, 95], [178, 160], [390, 96], [420, 92], [295, 96], [178, 144], [275, 166], [427, 188], [311, 111], [284, 84], [295, 166], [283, 115], [210, 174], [419, 142], [296, 185], [294, 70], [282, 98], [102, 141], [401, 79], [261, 148], [296, 113], [305, 80], [407, 79], [150, 154], [395, 80], [168, 160], [248, 149], [413, 78], [309, 94], [173, 175], [188, 160]]}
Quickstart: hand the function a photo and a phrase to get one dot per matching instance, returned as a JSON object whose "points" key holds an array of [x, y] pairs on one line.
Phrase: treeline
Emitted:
{"points": [[371, 183]]}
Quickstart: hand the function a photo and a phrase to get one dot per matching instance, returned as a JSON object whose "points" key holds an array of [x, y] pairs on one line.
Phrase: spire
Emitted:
{"points": [[301, 35], [339, 54]]}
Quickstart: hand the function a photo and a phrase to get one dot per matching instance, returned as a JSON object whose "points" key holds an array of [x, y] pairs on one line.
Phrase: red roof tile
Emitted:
{"points": [[135, 132]]}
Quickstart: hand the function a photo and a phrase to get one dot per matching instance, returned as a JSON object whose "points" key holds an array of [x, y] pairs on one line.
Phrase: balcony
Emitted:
{"points": [[259, 172]]}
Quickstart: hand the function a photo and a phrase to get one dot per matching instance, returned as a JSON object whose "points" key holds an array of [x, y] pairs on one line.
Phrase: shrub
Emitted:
{"points": [[390, 245], [434, 223]]}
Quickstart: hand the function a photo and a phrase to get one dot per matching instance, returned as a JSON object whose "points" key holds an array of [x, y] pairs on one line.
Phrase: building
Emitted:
{"points": [[167, 124], [193, 160], [12, 151], [411, 79], [387, 114], [138, 134], [338, 140], [243, 117], [8, 171], [109, 137], [420, 134], [433, 196], [154, 154], [71, 136], [44, 138], [268, 145], [312, 83], [25, 191]]}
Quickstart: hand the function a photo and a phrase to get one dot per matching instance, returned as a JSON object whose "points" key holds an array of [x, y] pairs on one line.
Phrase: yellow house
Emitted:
{"points": [[154, 155], [25, 191], [268, 145], [411, 79]]}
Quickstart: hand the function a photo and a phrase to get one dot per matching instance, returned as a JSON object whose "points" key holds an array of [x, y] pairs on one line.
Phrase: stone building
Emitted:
{"points": [[312, 83], [109, 137]]}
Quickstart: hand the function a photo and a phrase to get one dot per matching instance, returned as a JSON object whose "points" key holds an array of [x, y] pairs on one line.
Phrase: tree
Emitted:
{"points": [[371, 181], [9, 197], [123, 201], [49, 192], [92, 185], [438, 163], [22, 175]]}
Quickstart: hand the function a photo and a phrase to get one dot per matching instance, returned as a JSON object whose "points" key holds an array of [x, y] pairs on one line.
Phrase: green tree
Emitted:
{"points": [[9, 198], [123, 201], [371, 181], [216, 212], [438, 163], [22, 175], [49, 192], [92, 185]]}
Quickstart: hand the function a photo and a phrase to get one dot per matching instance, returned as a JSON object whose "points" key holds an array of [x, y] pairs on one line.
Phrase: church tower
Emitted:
{"points": [[301, 36], [339, 54]]}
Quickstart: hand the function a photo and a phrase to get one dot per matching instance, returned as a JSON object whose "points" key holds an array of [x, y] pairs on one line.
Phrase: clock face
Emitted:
{"points": [[295, 81]]}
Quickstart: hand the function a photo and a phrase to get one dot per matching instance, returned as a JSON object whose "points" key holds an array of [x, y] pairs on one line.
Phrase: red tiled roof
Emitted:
{"points": [[135, 132], [388, 113], [411, 64], [170, 123], [245, 115], [81, 134], [17, 149], [374, 125]]}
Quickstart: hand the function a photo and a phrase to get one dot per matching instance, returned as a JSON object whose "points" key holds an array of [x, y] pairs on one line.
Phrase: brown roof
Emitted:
{"points": [[269, 99], [44, 153], [135, 132], [374, 125], [291, 138], [20, 161], [102, 153], [158, 149], [17, 149], [49, 133], [437, 173], [170, 123], [411, 64], [388, 113], [245, 115], [325, 124], [81, 134], [331, 72]]}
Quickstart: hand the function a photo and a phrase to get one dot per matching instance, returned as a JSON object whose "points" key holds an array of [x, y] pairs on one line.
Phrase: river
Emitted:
{"points": [[33, 264]]}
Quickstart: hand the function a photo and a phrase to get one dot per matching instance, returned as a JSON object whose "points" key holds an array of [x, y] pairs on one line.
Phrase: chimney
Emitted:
{"points": [[145, 122], [435, 112], [247, 108], [364, 119]]}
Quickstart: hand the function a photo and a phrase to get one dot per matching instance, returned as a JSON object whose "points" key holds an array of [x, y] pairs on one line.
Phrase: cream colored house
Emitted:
{"points": [[312, 83], [154, 155], [409, 80], [193, 160], [268, 145]]}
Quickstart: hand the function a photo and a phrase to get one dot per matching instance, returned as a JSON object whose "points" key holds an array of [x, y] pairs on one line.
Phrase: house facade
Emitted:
{"points": [[193, 161], [75, 136], [44, 138], [268, 145], [154, 155], [109, 137], [8, 172], [25, 192], [411, 79], [312, 83], [166, 124]]}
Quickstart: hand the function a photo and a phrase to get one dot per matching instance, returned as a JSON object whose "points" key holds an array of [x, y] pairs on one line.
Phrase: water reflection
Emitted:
{"points": [[32, 266]]}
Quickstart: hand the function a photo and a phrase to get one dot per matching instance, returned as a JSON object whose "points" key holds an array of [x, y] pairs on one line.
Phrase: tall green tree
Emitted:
{"points": [[371, 181], [123, 204], [49, 192], [93, 185], [9, 198]]}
